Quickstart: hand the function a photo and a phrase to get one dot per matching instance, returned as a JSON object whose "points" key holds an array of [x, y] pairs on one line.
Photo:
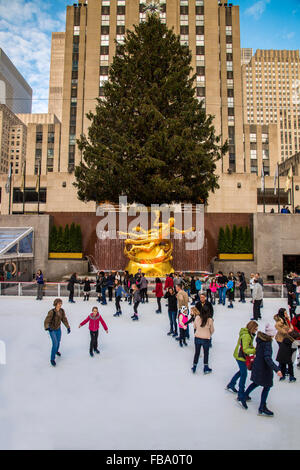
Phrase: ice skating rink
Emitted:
{"points": [[139, 393]]}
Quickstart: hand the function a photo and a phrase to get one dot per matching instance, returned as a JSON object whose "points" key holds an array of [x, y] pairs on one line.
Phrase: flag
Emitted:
{"points": [[262, 179], [22, 188], [275, 179], [8, 181], [288, 179]]}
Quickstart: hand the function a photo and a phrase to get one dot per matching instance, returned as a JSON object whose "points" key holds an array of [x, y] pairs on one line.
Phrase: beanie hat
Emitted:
{"points": [[270, 330]]}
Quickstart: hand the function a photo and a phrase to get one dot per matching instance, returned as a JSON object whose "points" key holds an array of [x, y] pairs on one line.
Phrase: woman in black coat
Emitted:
{"points": [[242, 287], [262, 369], [73, 280]]}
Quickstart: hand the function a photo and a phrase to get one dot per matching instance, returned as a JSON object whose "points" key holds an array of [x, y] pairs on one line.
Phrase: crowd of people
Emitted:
{"points": [[191, 300]]}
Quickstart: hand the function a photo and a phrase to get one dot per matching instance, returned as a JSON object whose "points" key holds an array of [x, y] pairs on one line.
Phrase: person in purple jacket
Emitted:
{"points": [[94, 320]]}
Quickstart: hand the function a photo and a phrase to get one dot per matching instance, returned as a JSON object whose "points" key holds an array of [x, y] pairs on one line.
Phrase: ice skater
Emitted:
{"points": [[204, 328], [172, 310], [182, 323], [94, 320], [136, 301], [86, 289], [287, 354], [40, 284], [52, 324], [118, 295]]}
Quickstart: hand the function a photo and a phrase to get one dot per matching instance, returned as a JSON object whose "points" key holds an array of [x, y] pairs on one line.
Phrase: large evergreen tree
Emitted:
{"points": [[149, 137]]}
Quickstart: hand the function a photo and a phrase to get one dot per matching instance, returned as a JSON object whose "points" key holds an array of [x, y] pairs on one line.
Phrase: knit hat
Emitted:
{"points": [[270, 330], [183, 310]]}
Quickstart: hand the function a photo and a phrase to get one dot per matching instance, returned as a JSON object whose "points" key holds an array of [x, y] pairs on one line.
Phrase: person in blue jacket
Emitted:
{"points": [[40, 284], [262, 370], [119, 292], [230, 291]]}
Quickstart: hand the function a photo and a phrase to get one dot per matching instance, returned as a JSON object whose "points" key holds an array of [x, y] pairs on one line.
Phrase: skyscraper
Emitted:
{"points": [[15, 92]]}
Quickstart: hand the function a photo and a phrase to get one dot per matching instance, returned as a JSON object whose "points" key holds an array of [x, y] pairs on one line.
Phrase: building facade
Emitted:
{"points": [[271, 94], [15, 92], [13, 141], [56, 74]]}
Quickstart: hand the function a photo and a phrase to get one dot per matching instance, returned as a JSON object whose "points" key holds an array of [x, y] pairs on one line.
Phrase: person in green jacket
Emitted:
{"points": [[243, 348]]}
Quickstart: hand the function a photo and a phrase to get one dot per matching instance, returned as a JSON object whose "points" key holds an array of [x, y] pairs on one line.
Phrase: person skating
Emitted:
{"points": [[283, 325], [286, 354], [104, 285], [99, 278], [52, 324], [182, 323], [143, 289], [262, 369], [110, 286], [94, 320], [213, 286], [230, 291], [70, 287], [296, 326], [172, 310], [40, 284], [257, 296], [222, 281], [118, 295], [86, 289], [158, 293], [242, 286], [243, 348], [136, 301], [182, 301], [251, 285], [203, 330], [234, 279]]}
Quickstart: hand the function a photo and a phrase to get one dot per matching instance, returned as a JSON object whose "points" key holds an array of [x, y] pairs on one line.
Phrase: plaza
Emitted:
{"points": [[139, 393]]}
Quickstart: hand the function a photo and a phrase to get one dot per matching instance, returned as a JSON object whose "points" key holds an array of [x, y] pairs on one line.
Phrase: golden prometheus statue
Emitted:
{"points": [[151, 250]]}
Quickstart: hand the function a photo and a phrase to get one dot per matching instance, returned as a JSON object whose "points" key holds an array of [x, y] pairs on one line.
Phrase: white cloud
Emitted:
{"points": [[257, 9], [25, 36]]}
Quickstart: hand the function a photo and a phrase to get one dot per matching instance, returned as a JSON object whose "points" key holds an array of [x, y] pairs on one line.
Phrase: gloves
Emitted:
{"points": [[69, 330]]}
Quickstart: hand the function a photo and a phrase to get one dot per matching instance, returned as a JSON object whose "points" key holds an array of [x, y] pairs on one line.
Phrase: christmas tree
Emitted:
{"points": [[149, 137]]}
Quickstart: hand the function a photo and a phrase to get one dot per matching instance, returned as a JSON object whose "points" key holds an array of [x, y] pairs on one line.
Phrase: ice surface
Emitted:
{"points": [[139, 393]]}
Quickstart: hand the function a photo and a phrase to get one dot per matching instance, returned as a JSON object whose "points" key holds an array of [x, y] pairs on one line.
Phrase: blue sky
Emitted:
{"points": [[26, 26]]}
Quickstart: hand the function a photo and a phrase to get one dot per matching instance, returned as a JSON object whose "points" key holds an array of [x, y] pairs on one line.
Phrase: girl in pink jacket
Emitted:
{"points": [[94, 320]]}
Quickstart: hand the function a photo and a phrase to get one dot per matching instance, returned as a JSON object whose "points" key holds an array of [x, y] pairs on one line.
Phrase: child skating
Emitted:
{"points": [[136, 301], [94, 320], [119, 292], [182, 323], [86, 289]]}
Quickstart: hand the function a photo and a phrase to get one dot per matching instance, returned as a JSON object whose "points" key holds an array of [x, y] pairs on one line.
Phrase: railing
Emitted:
{"points": [[59, 289]]}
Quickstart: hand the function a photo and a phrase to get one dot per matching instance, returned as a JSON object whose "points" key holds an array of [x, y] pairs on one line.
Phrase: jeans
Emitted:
{"points": [[55, 336], [103, 293], [94, 340], [40, 291], [264, 394], [242, 375], [242, 294], [198, 343], [158, 304], [144, 294], [256, 309], [118, 306], [173, 324], [222, 295], [135, 307], [71, 296]]}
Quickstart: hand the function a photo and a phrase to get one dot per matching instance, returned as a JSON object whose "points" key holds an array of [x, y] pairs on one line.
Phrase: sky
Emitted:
{"points": [[26, 27]]}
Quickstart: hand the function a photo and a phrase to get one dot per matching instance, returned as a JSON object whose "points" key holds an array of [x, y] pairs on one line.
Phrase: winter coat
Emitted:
{"points": [[208, 304], [203, 332], [110, 281], [39, 279], [230, 285], [94, 322], [136, 296], [72, 281], [144, 283], [169, 282], [98, 283], [296, 323], [104, 282], [198, 285], [213, 287], [158, 290], [257, 293], [120, 291], [53, 319], [86, 286], [263, 365], [182, 299], [172, 301], [287, 348], [281, 327], [222, 280], [247, 343], [182, 320], [193, 286], [243, 283]]}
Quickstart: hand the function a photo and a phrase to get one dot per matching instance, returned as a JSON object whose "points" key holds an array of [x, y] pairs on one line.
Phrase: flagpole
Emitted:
{"points": [[264, 187], [10, 179], [293, 194], [24, 184], [39, 186], [278, 190]]}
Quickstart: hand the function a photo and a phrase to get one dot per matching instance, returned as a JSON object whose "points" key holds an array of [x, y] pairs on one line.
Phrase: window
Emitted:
{"points": [[121, 10], [50, 137], [31, 196], [104, 29], [184, 10], [105, 10], [39, 137]]}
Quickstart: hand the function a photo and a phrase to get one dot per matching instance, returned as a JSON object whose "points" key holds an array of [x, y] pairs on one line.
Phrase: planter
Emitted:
{"points": [[236, 256], [65, 255]]}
